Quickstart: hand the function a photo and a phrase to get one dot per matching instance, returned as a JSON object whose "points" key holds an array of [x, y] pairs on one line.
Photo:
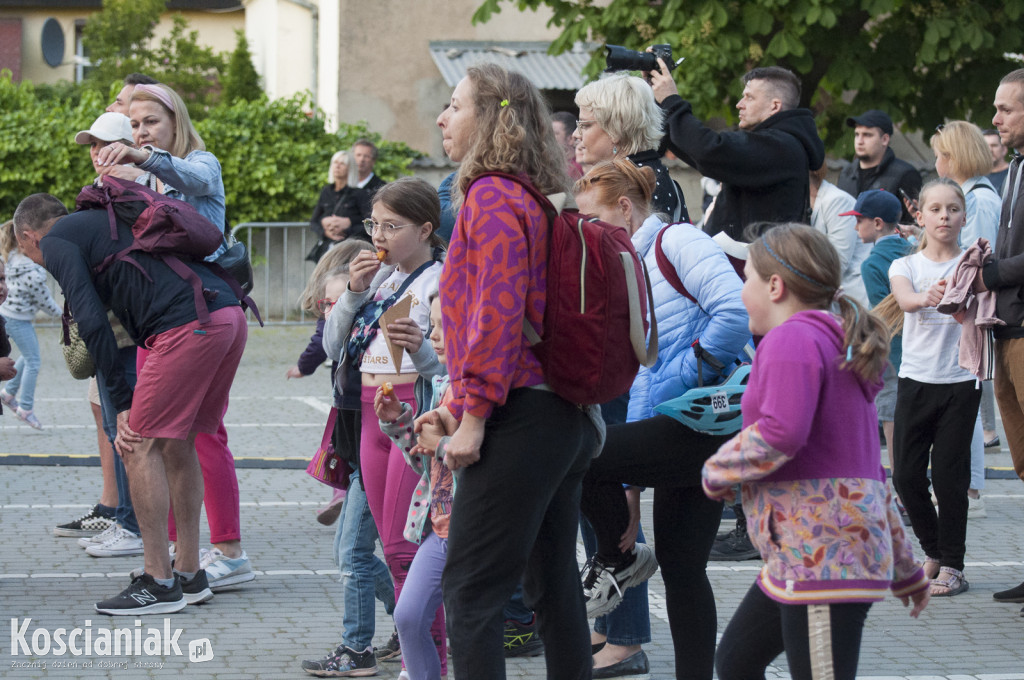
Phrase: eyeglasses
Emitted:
{"points": [[584, 125], [388, 228], [323, 306], [938, 128]]}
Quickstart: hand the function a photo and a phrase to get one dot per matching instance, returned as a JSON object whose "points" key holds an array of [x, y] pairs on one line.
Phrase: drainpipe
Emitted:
{"points": [[314, 11]]}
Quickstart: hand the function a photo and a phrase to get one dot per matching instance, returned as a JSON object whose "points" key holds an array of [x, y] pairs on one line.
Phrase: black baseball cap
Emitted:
{"points": [[872, 118]]}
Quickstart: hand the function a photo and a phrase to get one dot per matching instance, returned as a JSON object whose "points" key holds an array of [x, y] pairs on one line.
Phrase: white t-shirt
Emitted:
{"points": [[931, 340], [377, 358]]}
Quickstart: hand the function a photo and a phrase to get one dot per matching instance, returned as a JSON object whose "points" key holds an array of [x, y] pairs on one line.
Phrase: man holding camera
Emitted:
{"points": [[764, 166]]}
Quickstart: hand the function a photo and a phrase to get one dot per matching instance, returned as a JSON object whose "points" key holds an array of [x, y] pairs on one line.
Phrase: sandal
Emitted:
{"points": [[952, 580], [931, 568]]}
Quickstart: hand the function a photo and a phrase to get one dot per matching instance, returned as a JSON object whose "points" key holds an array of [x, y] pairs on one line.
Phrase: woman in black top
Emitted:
{"points": [[340, 210]]}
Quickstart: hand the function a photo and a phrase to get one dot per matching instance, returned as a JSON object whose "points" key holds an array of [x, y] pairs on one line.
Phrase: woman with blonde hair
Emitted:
{"points": [[619, 118], [962, 155], [340, 210], [519, 451]]}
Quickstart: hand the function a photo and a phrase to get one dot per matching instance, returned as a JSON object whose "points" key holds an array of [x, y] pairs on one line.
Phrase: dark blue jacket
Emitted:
{"points": [[875, 273]]}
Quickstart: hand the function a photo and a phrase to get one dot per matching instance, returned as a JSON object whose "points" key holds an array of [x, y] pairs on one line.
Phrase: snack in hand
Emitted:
{"points": [[381, 255], [388, 390]]}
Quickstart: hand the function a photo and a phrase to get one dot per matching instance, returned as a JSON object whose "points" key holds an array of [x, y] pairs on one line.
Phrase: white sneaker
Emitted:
{"points": [[100, 538], [603, 584], [122, 544], [976, 508], [223, 571]]}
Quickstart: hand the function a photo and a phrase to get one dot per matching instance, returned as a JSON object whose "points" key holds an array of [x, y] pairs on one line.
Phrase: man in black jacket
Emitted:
{"points": [[181, 390], [875, 165], [1005, 276], [764, 166]]}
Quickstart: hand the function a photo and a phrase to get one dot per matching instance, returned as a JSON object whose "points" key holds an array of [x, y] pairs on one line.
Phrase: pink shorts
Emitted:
{"points": [[183, 386]]}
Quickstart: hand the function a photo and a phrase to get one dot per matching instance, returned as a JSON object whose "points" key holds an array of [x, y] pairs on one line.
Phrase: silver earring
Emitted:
{"points": [[615, 149]]}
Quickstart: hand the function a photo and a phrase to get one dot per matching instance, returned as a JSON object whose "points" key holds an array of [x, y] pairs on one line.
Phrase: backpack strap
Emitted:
{"points": [[185, 272], [246, 301], [667, 269]]}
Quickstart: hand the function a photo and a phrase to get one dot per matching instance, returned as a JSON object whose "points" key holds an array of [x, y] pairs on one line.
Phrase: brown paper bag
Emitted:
{"points": [[399, 310]]}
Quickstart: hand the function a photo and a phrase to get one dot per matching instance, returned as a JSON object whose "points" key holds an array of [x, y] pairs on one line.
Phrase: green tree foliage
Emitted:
{"points": [[241, 80], [923, 61], [119, 40], [274, 154]]}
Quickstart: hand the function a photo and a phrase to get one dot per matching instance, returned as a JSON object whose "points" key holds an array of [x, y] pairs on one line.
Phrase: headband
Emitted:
{"points": [[793, 269], [159, 93]]}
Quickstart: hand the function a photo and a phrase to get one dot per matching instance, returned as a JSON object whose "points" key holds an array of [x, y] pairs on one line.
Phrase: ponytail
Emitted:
{"points": [[865, 339]]}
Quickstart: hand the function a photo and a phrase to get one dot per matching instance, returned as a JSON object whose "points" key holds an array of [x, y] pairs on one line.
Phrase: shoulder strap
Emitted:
{"points": [[668, 270], [983, 185]]}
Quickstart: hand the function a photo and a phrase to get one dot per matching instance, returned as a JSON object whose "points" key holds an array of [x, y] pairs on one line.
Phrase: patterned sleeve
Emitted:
{"points": [[744, 458]]}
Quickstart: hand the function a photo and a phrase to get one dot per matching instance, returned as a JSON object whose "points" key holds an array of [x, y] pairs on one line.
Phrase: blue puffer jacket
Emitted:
{"points": [[721, 325]]}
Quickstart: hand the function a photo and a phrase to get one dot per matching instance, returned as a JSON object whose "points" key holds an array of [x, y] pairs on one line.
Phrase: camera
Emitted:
{"points": [[620, 58]]}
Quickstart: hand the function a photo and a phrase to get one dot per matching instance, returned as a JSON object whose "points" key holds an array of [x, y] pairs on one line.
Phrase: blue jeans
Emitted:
{"points": [[125, 513], [630, 622], [23, 334], [364, 575]]}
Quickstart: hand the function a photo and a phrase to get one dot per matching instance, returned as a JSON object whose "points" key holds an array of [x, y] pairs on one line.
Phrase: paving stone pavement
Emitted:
{"points": [[292, 611]]}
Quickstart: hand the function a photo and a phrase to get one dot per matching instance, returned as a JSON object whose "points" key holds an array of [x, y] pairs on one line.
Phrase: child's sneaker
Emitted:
{"points": [[90, 524], [225, 571], [343, 663], [29, 417], [9, 400]]}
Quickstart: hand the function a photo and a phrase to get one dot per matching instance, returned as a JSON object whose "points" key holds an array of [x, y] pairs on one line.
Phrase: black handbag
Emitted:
{"points": [[235, 261]]}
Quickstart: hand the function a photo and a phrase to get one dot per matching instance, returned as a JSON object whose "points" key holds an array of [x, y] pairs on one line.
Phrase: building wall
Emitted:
{"points": [[216, 30], [281, 38], [386, 76]]}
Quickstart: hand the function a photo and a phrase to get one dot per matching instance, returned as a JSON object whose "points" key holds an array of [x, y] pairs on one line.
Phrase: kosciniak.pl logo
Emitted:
{"points": [[86, 641]]}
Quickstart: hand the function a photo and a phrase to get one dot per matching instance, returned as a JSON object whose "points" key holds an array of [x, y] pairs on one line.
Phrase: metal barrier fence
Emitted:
{"points": [[278, 252]]}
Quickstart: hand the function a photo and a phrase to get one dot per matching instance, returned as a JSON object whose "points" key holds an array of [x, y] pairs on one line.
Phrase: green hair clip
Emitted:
{"points": [[504, 103]]}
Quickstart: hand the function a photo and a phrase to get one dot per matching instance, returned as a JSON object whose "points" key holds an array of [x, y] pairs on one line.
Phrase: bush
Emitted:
{"points": [[274, 154]]}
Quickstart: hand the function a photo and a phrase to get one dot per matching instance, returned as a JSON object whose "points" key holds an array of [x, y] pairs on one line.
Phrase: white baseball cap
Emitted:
{"points": [[109, 127]]}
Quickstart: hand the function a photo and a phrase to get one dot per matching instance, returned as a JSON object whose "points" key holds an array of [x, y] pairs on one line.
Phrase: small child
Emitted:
{"points": [[878, 213], [432, 500], [27, 295], [817, 503], [937, 400], [325, 286], [7, 370]]}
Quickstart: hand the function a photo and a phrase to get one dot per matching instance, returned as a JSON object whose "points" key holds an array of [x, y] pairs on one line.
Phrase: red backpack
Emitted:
{"points": [[169, 229], [595, 316]]}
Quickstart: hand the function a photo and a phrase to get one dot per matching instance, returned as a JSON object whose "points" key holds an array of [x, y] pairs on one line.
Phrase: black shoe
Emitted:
{"points": [[596, 647], [522, 639], [343, 663], [392, 651], [144, 596], [197, 590], [736, 547], [636, 664], [1011, 595], [994, 442]]}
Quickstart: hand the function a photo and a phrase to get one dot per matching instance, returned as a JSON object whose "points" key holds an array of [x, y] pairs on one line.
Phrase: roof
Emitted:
{"points": [[546, 71]]}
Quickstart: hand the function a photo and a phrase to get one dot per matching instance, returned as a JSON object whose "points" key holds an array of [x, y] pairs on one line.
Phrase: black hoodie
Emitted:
{"points": [[765, 172]]}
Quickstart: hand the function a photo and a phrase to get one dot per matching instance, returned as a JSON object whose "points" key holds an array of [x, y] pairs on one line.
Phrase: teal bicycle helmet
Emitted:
{"points": [[714, 409]]}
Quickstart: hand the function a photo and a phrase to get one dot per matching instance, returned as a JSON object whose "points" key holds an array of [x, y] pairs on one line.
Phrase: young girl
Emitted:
{"points": [[331, 273], [28, 295], [814, 492], [405, 215], [937, 400], [429, 510]]}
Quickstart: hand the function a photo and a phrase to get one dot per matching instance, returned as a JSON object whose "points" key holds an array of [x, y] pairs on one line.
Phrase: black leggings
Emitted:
{"points": [[664, 454], [820, 641]]}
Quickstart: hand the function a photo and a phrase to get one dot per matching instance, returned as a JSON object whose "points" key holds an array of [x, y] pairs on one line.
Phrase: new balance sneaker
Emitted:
{"points": [[225, 571], [522, 639], [29, 418], [603, 584], [197, 589], [392, 651], [90, 524], [122, 544], [100, 538], [144, 596], [343, 663]]}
